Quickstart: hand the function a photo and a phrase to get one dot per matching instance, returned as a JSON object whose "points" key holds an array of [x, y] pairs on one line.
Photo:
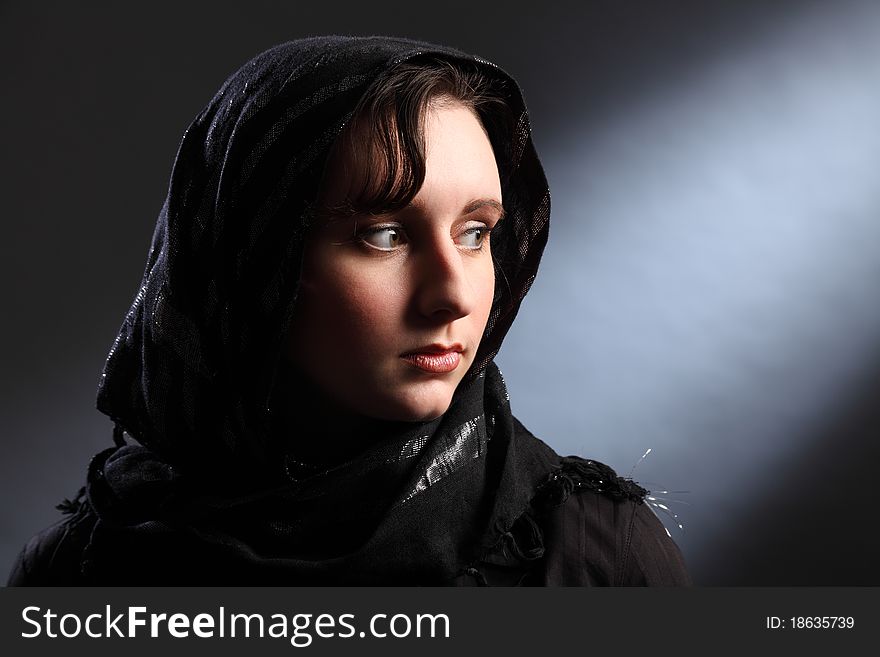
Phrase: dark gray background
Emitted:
{"points": [[709, 290]]}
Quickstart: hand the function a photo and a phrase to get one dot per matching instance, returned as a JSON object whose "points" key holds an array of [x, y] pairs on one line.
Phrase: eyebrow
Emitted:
{"points": [[474, 205]]}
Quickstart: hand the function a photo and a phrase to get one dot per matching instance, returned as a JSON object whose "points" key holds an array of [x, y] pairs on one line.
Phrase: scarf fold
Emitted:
{"points": [[421, 507]]}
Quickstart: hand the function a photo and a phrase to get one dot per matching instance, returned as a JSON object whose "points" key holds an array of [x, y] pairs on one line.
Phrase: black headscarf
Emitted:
{"points": [[192, 374]]}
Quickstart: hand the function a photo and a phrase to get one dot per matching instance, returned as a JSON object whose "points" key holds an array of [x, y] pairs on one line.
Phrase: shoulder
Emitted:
{"points": [[53, 556], [600, 532]]}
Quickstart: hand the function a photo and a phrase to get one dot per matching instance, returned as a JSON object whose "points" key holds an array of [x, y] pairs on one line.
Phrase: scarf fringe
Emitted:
{"points": [[524, 540], [70, 507], [479, 577], [577, 473]]}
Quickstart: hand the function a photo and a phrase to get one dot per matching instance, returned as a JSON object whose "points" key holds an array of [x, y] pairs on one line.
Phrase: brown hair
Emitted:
{"points": [[384, 141]]}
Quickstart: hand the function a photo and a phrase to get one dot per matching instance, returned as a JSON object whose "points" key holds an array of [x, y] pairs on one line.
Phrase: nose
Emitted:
{"points": [[444, 291]]}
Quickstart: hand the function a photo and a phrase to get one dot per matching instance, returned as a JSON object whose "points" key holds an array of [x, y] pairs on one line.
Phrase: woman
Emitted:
{"points": [[307, 369]]}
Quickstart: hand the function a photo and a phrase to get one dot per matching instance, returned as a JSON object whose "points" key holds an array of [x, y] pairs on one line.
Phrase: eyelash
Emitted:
{"points": [[361, 237]]}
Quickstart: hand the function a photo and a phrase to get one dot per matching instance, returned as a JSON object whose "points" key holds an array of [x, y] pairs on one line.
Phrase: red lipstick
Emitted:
{"points": [[435, 358]]}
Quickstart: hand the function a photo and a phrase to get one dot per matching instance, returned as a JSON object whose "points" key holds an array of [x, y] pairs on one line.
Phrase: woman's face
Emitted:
{"points": [[379, 294]]}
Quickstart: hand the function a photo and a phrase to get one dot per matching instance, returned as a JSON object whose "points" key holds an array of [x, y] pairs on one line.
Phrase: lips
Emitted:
{"points": [[435, 358]]}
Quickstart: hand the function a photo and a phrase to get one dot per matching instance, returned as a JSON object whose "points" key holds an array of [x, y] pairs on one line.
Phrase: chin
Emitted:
{"points": [[421, 410], [419, 415]]}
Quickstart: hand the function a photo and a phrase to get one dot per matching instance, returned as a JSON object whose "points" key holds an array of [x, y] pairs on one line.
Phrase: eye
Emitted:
{"points": [[475, 237], [384, 238]]}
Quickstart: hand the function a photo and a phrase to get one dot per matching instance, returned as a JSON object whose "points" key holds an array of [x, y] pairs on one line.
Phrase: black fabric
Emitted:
{"points": [[209, 494], [582, 528], [414, 509]]}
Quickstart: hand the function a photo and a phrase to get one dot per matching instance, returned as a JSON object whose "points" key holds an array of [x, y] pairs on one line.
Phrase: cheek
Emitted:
{"points": [[350, 309]]}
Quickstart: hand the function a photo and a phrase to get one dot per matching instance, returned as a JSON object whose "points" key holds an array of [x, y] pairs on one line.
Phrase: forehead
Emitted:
{"points": [[460, 163], [372, 163]]}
